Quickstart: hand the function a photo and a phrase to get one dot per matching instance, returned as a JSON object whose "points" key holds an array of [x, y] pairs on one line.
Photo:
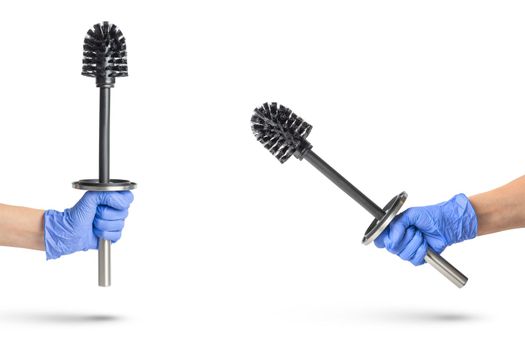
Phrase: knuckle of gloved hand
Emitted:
{"points": [[112, 236], [417, 262], [397, 238], [419, 256], [108, 213], [392, 246], [388, 244], [122, 214], [412, 245], [391, 243], [437, 245], [128, 195], [100, 224], [379, 242], [122, 200], [102, 211], [108, 225]]}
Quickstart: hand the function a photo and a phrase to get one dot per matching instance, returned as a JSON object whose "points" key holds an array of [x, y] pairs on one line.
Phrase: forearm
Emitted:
{"points": [[21, 227], [502, 208]]}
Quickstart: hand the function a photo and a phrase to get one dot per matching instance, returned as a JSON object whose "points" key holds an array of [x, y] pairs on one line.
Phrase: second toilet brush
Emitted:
{"points": [[284, 134]]}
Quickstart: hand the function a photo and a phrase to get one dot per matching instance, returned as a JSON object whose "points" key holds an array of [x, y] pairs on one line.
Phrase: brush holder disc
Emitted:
{"points": [[112, 185], [378, 225]]}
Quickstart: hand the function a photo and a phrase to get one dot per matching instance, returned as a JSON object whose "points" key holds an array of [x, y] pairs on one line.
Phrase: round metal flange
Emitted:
{"points": [[378, 225], [112, 185]]}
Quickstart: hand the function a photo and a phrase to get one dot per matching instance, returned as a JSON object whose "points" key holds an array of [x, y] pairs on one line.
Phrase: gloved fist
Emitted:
{"points": [[96, 215], [435, 226]]}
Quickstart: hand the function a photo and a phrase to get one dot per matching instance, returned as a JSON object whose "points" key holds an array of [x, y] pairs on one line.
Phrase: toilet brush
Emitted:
{"points": [[105, 59], [284, 134]]}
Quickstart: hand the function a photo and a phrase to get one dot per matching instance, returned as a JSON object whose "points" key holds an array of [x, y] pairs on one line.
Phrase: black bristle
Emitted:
{"points": [[105, 56], [280, 130]]}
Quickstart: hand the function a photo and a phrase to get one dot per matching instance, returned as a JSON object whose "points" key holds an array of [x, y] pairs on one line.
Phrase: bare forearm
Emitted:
{"points": [[502, 208], [21, 227]]}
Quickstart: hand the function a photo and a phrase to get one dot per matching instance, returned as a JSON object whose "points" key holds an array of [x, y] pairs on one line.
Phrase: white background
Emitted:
{"points": [[225, 248]]}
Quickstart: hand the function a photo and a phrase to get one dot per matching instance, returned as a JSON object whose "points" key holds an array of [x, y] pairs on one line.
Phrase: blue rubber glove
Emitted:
{"points": [[435, 226], [96, 215]]}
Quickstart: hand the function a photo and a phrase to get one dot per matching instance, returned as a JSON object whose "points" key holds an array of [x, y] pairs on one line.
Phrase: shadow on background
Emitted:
{"points": [[61, 317], [386, 316], [421, 316]]}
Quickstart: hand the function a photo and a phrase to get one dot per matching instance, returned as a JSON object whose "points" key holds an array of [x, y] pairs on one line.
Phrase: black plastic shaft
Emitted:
{"points": [[343, 184], [103, 139]]}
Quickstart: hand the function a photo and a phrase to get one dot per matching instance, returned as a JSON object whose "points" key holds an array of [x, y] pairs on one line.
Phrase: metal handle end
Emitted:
{"points": [[104, 263], [446, 269]]}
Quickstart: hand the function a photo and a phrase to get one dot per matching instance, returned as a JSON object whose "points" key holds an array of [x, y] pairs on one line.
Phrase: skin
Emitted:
{"points": [[502, 208], [21, 227]]}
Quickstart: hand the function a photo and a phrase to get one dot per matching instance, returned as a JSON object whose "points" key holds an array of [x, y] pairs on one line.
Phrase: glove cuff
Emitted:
{"points": [[467, 225], [53, 225]]}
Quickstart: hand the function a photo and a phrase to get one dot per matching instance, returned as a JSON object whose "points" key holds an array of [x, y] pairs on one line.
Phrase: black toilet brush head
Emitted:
{"points": [[105, 56], [281, 131]]}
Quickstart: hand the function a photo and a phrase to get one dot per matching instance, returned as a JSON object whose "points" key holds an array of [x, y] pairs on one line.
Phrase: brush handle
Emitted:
{"points": [[343, 184], [104, 246], [446, 269]]}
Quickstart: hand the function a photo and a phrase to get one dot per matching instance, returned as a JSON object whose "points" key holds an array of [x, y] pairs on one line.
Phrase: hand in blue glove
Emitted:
{"points": [[96, 215], [435, 226]]}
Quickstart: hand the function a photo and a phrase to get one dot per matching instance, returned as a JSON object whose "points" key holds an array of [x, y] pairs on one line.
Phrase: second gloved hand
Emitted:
{"points": [[96, 215], [435, 226]]}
